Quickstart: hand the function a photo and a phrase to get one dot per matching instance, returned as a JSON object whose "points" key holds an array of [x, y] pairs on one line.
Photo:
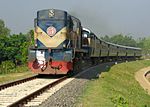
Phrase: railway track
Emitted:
{"points": [[17, 82], [31, 91], [21, 92]]}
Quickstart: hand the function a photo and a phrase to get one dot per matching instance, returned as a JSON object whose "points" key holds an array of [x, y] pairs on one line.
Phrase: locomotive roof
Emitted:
{"points": [[51, 13], [51, 9], [85, 29], [122, 46]]}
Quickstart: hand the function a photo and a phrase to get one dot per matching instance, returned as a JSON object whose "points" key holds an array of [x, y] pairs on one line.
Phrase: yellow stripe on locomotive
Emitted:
{"points": [[48, 41]]}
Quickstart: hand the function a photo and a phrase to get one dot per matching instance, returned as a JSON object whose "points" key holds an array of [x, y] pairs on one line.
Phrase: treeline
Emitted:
{"points": [[13, 48]]}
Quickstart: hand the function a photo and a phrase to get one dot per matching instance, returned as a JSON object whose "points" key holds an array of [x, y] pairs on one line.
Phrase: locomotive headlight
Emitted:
{"points": [[67, 56], [64, 45]]}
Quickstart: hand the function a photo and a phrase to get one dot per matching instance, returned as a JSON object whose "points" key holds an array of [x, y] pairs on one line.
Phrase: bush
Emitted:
{"points": [[119, 101], [6, 67], [21, 68]]}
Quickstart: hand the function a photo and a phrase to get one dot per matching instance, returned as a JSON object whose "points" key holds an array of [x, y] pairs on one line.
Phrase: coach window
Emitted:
{"points": [[84, 39], [92, 36]]}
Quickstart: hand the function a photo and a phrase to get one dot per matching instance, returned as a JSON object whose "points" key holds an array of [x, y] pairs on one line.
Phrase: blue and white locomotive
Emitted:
{"points": [[61, 45]]}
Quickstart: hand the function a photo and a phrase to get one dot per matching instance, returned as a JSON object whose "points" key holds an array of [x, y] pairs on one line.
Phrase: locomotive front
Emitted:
{"points": [[52, 53]]}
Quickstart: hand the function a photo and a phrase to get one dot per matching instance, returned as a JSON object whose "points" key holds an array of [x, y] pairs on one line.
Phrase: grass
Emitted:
{"points": [[116, 88], [18, 73]]}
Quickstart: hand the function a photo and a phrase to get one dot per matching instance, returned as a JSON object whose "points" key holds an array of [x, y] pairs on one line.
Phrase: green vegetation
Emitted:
{"points": [[117, 87], [121, 39], [9, 67], [13, 49], [14, 76]]}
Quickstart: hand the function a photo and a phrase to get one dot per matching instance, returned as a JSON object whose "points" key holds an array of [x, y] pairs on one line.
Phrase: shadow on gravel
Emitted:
{"points": [[94, 72]]}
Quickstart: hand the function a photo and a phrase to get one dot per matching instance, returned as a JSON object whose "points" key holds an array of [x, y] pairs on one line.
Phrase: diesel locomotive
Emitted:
{"points": [[62, 45]]}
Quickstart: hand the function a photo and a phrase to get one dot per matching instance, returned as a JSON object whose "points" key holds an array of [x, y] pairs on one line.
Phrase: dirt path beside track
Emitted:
{"points": [[141, 78]]}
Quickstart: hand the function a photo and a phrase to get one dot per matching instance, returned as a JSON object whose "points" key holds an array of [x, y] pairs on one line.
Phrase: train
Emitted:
{"points": [[62, 45]]}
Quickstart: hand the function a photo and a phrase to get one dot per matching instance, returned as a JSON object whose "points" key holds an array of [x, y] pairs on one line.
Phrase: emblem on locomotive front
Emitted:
{"points": [[51, 13], [51, 31]]}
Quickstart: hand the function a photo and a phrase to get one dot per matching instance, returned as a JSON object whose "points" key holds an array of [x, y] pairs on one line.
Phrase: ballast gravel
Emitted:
{"points": [[69, 94]]}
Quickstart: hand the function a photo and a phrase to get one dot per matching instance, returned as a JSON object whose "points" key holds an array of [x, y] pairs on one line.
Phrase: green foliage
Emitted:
{"points": [[121, 40], [6, 67], [144, 43], [119, 101], [140, 42], [31, 37], [14, 47], [5, 78], [116, 87], [3, 40], [4, 31], [106, 38]]}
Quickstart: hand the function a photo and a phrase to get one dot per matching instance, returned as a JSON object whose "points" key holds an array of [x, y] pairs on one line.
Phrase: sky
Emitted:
{"points": [[103, 17]]}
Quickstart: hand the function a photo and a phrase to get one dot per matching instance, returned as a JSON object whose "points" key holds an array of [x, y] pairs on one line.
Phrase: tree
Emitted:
{"points": [[30, 37], [145, 45], [106, 38], [3, 30], [14, 48], [121, 40], [140, 42], [19, 44], [4, 33]]}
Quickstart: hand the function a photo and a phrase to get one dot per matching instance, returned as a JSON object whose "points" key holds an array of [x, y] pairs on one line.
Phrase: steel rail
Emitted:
{"points": [[6, 85], [31, 96]]}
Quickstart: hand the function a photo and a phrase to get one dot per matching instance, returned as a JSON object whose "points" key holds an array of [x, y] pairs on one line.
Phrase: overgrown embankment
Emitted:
{"points": [[10, 72], [117, 87]]}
